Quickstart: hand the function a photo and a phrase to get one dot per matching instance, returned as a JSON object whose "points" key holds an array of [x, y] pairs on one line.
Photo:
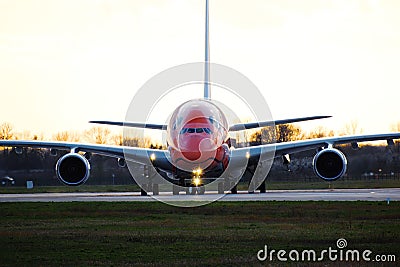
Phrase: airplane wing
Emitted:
{"points": [[254, 153], [143, 155], [252, 125], [133, 124], [73, 168], [298, 146], [329, 163], [135, 154]]}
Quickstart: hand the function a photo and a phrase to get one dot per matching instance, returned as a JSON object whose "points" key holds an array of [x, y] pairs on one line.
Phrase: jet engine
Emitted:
{"points": [[73, 169], [330, 164], [121, 162]]}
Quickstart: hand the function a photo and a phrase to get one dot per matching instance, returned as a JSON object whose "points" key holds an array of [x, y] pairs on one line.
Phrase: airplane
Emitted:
{"points": [[198, 149]]}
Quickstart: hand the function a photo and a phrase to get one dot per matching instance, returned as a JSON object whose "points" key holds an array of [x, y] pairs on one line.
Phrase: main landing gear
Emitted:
{"points": [[149, 187], [227, 185]]}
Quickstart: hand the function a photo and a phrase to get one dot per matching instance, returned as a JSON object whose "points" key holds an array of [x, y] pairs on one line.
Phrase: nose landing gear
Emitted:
{"points": [[193, 190], [196, 184]]}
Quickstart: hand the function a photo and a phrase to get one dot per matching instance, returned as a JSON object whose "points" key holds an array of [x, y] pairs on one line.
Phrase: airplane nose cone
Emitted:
{"points": [[192, 155], [197, 148]]}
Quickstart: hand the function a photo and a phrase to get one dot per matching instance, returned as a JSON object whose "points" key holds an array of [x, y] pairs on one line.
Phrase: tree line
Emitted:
{"points": [[40, 163], [292, 132], [96, 135]]}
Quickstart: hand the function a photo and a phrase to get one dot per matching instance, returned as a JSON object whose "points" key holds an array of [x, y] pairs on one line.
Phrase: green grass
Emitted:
{"points": [[118, 234]]}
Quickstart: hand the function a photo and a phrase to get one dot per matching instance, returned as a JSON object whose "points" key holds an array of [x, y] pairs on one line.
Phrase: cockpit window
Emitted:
{"points": [[196, 130], [207, 130]]}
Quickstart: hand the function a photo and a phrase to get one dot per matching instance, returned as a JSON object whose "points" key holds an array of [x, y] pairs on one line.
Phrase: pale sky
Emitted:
{"points": [[63, 63]]}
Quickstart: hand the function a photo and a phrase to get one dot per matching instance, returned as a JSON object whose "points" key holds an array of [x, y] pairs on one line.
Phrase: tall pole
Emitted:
{"points": [[207, 89]]}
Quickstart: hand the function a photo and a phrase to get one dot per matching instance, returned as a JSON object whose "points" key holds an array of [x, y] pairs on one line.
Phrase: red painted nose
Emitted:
{"points": [[190, 147], [191, 155], [195, 147]]}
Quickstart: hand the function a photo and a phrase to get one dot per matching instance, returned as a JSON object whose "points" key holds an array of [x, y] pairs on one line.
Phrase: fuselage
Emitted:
{"points": [[196, 135]]}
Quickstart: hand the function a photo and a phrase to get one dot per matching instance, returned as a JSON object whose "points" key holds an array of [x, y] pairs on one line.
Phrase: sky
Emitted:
{"points": [[63, 63]]}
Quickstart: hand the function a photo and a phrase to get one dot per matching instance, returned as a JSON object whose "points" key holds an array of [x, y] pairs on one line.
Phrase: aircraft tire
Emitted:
{"points": [[201, 190], [234, 189], [143, 192], [221, 188], [175, 190], [156, 190]]}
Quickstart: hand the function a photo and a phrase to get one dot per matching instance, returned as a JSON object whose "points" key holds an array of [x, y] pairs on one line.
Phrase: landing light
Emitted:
{"points": [[196, 181], [247, 154], [197, 172], [153, 157]]}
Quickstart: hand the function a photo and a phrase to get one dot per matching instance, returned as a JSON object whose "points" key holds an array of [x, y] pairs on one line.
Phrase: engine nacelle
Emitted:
{"points": [[330, 164], [121, 162], [73, 169]]}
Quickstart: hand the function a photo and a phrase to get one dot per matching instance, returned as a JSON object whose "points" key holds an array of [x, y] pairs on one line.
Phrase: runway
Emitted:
{"points": [[387, 194]]}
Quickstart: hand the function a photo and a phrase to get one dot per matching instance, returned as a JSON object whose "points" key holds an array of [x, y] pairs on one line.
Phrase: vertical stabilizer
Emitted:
{"points": [[207, 88]]}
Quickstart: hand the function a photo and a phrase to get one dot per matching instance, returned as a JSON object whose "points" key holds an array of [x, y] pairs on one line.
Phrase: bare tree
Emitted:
{"points": [[320, 132], [25, 135], [395, 127], [37, 137], [288, 132], [66, 136], [281, 133], [266, 135], [147, 142], [98, 135], [132, 141], [118, 139], [6, 131], [352, 128]]}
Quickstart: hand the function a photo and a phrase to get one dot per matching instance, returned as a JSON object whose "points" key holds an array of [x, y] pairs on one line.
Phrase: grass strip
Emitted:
{"points": [[222, 233]]}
